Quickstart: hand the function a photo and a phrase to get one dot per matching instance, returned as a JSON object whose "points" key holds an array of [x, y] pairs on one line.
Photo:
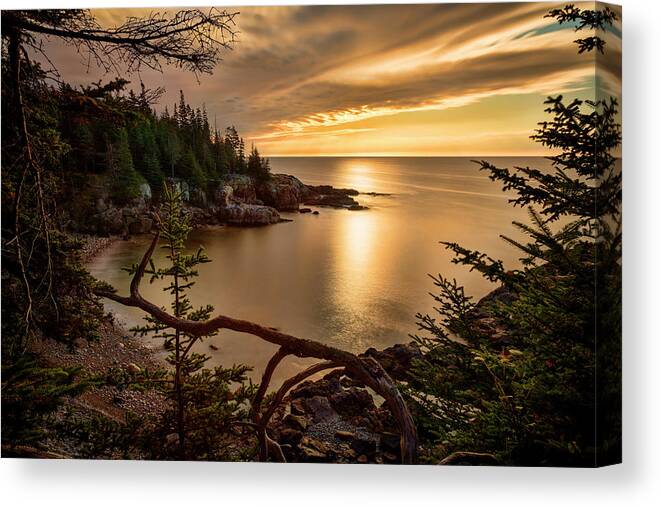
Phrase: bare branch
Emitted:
{"points": [[191, 39], [367, 370]]}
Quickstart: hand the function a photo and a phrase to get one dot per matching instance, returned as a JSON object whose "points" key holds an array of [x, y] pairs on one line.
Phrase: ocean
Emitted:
{"points": [[351, 279]]}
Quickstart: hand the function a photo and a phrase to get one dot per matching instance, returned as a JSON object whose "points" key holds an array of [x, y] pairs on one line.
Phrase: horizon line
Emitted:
{"points": [[372, 155]]}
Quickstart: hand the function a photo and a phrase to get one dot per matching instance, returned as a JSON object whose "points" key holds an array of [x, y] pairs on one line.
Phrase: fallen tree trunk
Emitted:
{"points": [[367, 370]]}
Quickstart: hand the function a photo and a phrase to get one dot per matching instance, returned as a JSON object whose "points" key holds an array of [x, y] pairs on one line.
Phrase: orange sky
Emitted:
{"points": [[406, 80]]}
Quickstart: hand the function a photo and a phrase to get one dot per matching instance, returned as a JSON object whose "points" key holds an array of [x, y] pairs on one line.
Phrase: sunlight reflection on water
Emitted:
{"points": [[352, 279]]}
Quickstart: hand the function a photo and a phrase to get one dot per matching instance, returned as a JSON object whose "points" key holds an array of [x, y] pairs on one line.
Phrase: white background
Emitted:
{"points": [[636, 482]]}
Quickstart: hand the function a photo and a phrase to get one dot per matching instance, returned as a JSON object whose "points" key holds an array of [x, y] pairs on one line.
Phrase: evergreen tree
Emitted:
{"points": [[257, 167], [520, 381], [126, 180], [207, 402]]}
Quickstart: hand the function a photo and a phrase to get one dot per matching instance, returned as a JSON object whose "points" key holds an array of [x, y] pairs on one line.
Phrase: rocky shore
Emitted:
{"points": [[238, 200], [337, 419]]}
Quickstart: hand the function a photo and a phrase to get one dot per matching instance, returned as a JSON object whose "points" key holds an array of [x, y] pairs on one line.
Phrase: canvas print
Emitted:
{"points": [[352, 234]]}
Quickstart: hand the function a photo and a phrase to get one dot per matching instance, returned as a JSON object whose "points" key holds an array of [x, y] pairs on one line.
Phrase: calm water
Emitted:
{"points": [[349, 279]]}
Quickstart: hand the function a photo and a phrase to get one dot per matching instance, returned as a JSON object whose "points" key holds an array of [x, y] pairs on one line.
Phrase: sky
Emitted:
{"points": [[382, 80]]}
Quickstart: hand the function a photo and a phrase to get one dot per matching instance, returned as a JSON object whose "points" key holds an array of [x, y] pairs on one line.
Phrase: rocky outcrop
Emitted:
{"points": [[326, 195], [337, 419], [238, 200], [108, 219], [243, 188], [248, 214], [283, 192], [396, 360], [234, 210]]}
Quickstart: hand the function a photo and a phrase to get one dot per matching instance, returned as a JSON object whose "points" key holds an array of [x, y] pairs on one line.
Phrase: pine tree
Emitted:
{"points": [[257, 167], [521, 381], [126, 181], [206, 403]]}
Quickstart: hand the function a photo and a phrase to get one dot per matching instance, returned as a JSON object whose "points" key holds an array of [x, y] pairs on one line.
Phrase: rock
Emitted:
{"points": [[243, 188], [334, 201], [376, 194], [326, 195], [329, 190], [282, 191], [101, 205], [305, 210], [315, 212], [198, 197], [141, 225], [213, 347], [290, 436], [346, 452], [470, 459], [389, 457], [390, 442], [327, 386], [172, 439], [352, 402], [344, 435], [249, 214], [133, 368], [396, 360], [485, 321], [297, 407], [111, 221], [224, 196], [356, 207], [145, 191], [364, 445], [296, 421], [313, 450], [320, 409]]}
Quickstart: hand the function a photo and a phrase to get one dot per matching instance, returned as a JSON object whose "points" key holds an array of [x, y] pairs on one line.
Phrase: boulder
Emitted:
{"points": [[282, 191], [396, 360], [296, 421], [111, 221], [198, 197], [352, 402], [327, 386], [243, 189], [248, 214], [290, 436], [141, 225], [297, 407], [320, 409], [145, 191], [224, 196], [364, 445], [313, 450]]}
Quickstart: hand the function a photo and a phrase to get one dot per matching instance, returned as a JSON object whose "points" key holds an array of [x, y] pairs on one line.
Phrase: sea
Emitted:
{"points": [[351, 279]]}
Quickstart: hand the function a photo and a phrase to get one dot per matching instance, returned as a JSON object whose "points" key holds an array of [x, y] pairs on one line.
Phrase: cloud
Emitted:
{"points": [[305, 70]]}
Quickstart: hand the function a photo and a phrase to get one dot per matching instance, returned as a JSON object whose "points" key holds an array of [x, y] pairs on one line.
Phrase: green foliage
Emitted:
{"points": [[126, 180], [523, 373], [258, 168], [105, 129], [30, 395], [206, 402]]}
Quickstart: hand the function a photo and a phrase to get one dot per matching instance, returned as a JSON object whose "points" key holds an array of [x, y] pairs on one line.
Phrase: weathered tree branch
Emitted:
{"points": [[191, 38], [367, 370]]}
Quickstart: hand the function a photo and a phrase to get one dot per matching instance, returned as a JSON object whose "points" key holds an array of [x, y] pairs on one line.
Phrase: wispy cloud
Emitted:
{"points": [[301, 72]]}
